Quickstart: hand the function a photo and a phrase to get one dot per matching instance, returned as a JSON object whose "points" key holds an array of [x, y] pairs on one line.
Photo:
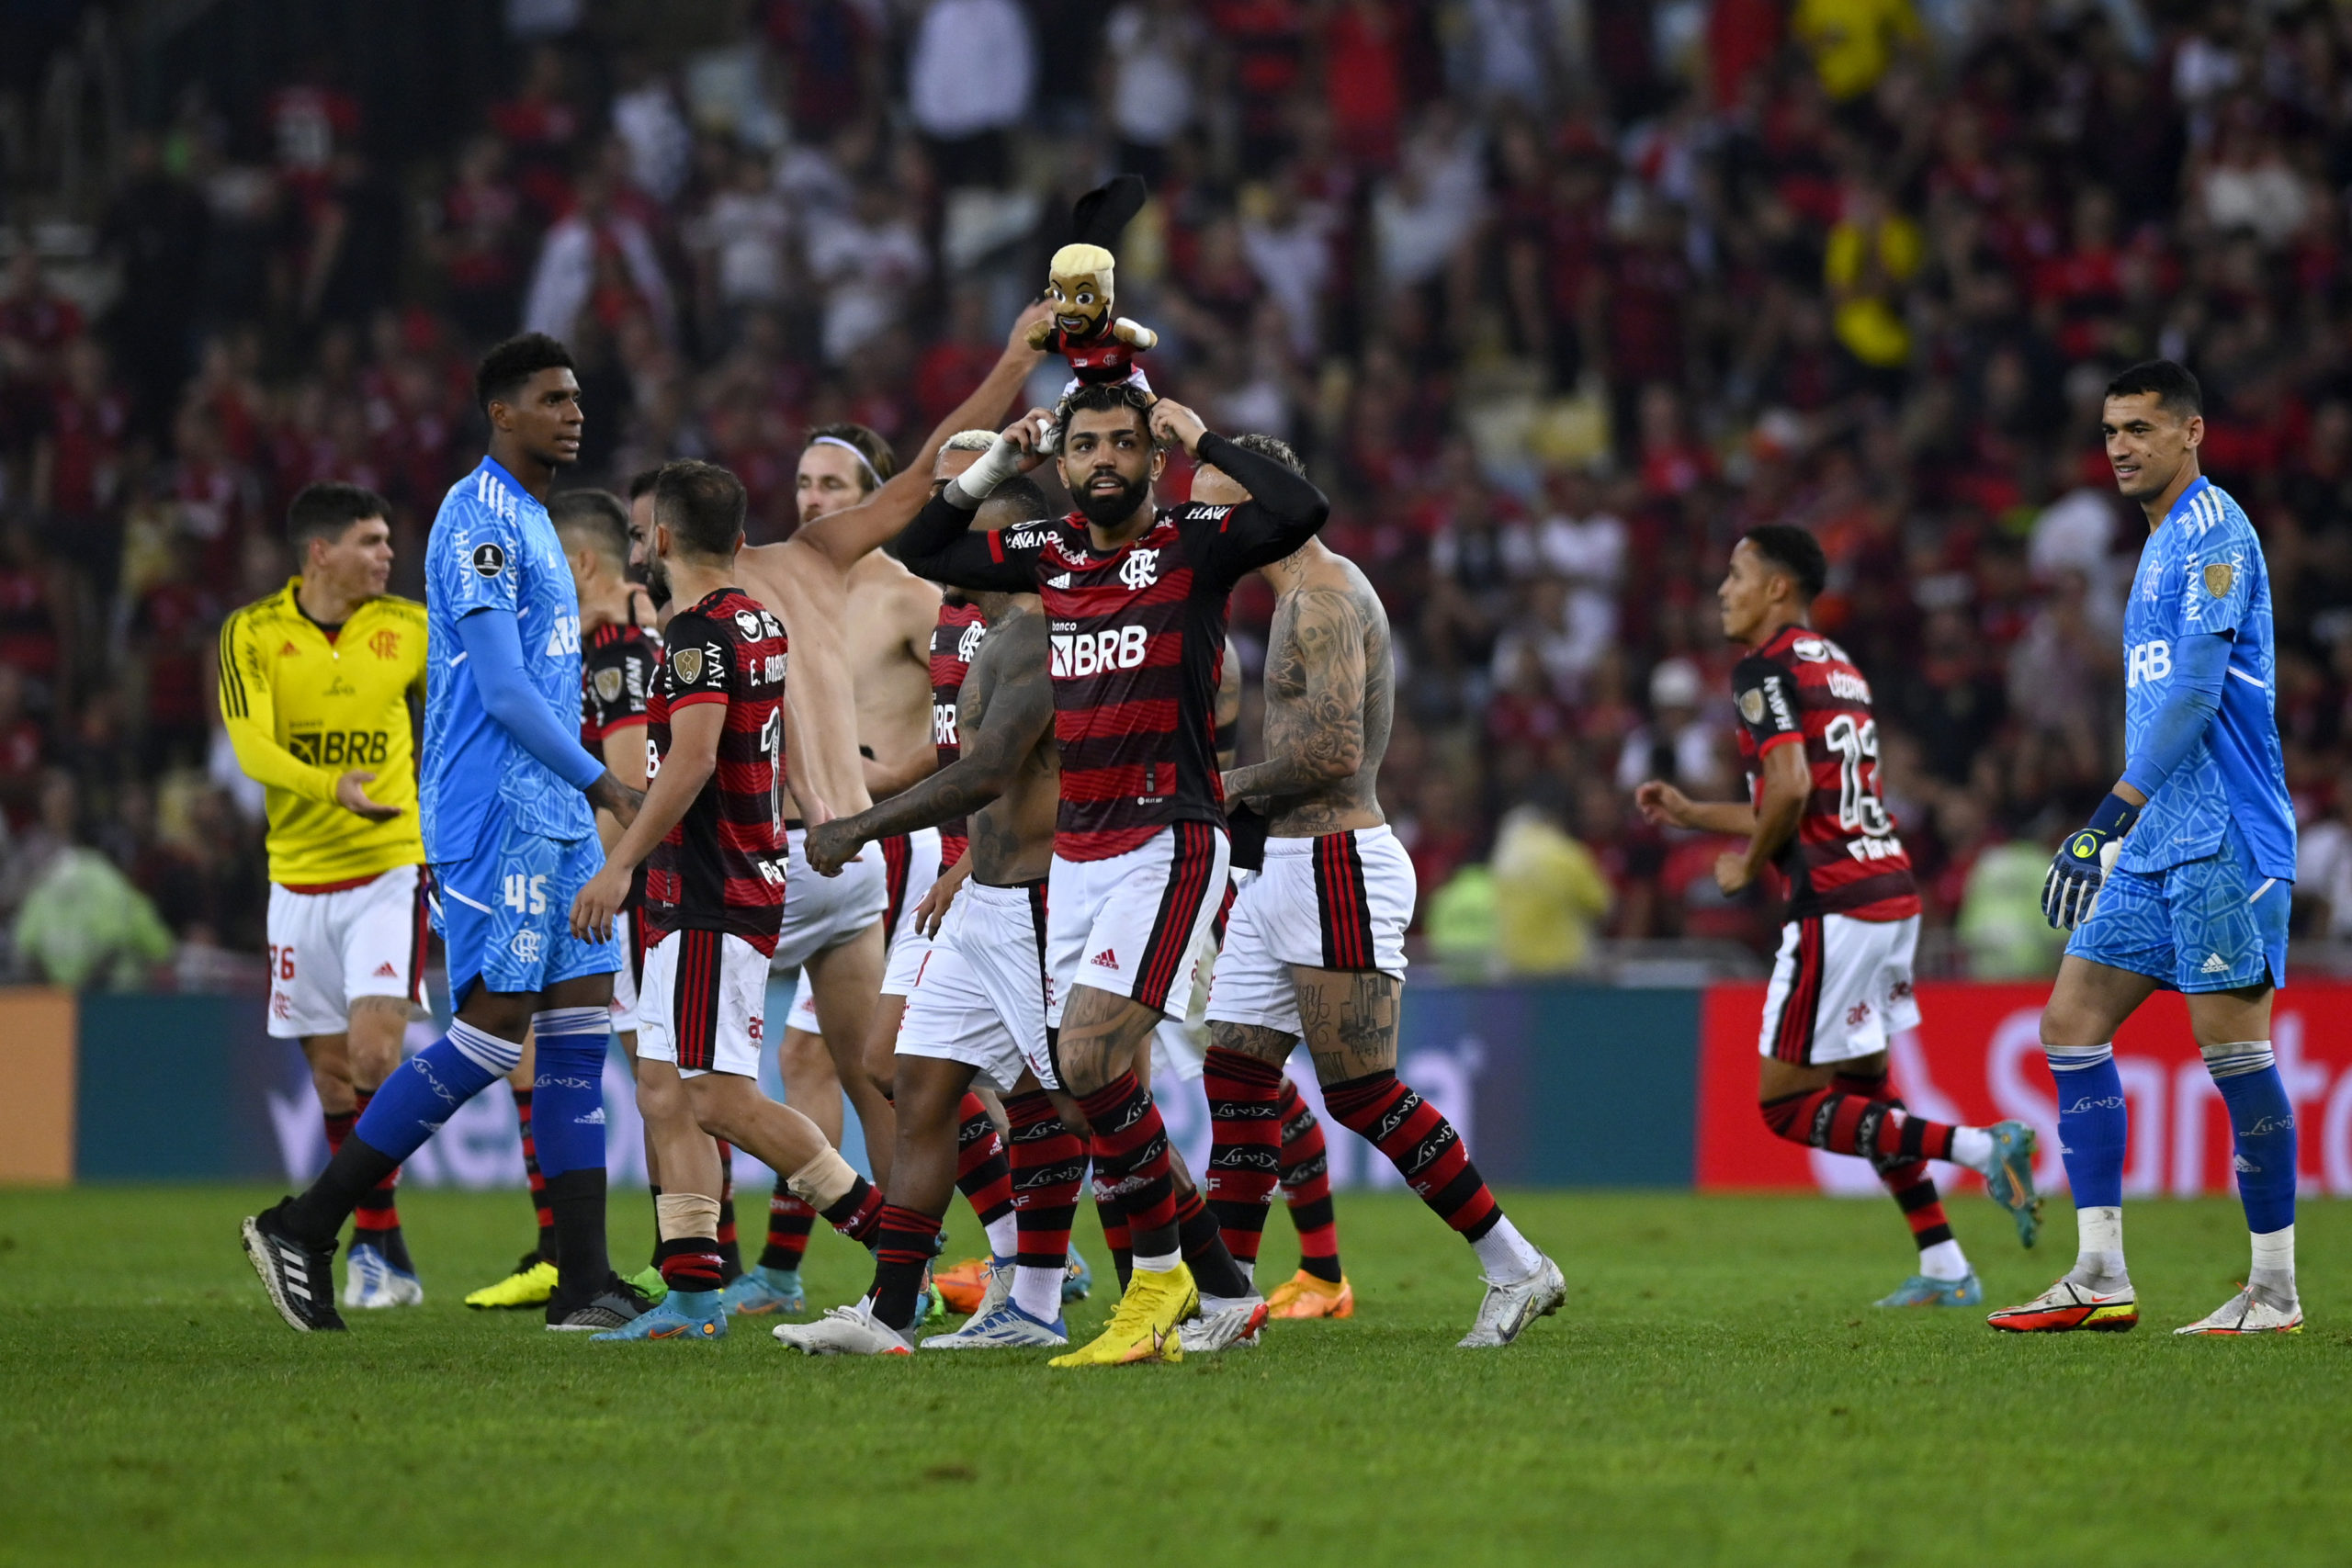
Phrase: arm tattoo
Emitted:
{"points": [[1315, 690]]}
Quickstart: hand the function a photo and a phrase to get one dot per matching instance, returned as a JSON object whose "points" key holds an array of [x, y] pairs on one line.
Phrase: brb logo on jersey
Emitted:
{"points": [[2147, 661], [1140, 569], [943, 725], [1077, 655]]}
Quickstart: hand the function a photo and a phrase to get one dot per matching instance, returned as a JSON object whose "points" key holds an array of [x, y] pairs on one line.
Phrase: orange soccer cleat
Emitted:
{"points": [[962, 1286], [1303, 1296]]}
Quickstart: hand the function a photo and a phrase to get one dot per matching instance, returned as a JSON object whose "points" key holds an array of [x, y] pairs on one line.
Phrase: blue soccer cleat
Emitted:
{"points": [[766, 1293], [1921, 1291], [1006, 1328], [370, 1281], [1078, 1282], [684, 1315], [2010, 1182]]}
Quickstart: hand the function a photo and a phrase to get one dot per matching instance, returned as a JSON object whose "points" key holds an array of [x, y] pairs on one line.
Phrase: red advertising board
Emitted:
{"points": [[1977, 1058]]}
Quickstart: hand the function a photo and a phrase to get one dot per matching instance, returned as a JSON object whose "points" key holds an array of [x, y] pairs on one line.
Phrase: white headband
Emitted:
{"points": [[863, 460]]}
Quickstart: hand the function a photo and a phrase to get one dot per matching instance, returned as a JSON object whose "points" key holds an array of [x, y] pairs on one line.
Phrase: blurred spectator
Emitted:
{"points": [[971, 70], [2001, 923], [1549, 894], [1154, 47], [2323, 870], [598, 256], [1673, 743]]}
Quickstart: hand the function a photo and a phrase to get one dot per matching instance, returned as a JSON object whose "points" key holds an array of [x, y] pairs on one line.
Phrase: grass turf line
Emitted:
{"points": [[1717, 1389]]}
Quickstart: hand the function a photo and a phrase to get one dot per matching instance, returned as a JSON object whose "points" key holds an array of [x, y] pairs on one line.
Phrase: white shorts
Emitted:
{"points": [[822, 912], [910, 865], [980, 995], [703, 1004], [1839, 988], [1132, 923], [1340, 901], [626, 979], [327, 950], [1180, 1046]]}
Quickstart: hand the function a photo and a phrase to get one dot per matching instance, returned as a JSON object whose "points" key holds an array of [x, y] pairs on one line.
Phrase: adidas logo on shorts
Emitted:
{"points": [[386, 972], [2216, 964], [1106, 959]]}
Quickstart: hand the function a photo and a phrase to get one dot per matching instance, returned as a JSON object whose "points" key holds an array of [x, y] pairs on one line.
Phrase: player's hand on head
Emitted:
{"points": [[351, 793], [1172, 421]]}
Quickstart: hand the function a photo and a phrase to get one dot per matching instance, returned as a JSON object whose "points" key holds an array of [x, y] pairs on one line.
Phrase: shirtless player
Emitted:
{"points": [[1316, 945]]}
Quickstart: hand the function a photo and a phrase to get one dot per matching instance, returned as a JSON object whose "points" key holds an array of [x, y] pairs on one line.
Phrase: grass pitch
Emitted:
{"points": [[1717, 1390]]}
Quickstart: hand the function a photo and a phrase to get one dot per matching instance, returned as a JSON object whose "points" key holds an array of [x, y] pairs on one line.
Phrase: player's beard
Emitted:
{"points": [[1108, 511], [657, 581]]}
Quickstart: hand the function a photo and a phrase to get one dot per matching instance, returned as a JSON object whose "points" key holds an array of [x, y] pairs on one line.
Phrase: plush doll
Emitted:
{"points": [[1101, 347]]}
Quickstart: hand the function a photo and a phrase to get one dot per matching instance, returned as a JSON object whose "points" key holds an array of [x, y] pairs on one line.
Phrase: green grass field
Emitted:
{"points": [[1716, 1389]]}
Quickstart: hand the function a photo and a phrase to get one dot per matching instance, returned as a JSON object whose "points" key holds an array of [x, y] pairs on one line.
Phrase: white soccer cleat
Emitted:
{"points": [[998, 1295], [845, 1331], [369, 1280], [1507, 1309], [2247, 1312], [1224, 1329], [1006, 1328]]}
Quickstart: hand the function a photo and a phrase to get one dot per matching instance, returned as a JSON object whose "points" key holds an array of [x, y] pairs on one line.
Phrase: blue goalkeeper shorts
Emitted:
{"points": [[505, 915], [2215, 924]]}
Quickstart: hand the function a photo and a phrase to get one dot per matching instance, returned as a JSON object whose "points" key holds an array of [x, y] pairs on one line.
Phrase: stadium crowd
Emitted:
{"points": [[1554, 300]]}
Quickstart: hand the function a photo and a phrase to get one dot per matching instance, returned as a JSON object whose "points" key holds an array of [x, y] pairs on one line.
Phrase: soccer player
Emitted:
{"points": [[315, 682], [977, 1010], [506, 793], [713, 827], [1135, 599], [618, 660], [2182, 879], [1841, 984], [832, 926], [1316, 945]]}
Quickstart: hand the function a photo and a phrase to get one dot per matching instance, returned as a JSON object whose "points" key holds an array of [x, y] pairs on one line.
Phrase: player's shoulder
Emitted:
{"points": [[251, 617], [2213, 515], [397, 607]]}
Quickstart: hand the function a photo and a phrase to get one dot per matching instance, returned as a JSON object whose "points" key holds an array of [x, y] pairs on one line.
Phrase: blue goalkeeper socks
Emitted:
{"points": [[416, 1099], [2093, 1127], [2262, 1125], [568, 1130]]}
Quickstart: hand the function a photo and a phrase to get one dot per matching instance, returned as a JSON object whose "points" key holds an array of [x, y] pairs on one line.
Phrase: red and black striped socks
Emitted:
{"points": [[1214, 1269], [730, 1251], [903, 1239], [1245, 1098], [688, 1263], [377, 1221], [1846, 1123], [1117, 1239], [1048, 1162], [1306, 1186], [545, 1215], [1131, 1149], [789, 1223], [1911, 1186], [1426, 1150], [984, 1175], [857, 1213]]}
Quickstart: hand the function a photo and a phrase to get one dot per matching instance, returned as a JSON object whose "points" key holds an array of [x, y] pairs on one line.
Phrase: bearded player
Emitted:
{"points": [[2182, 879], [315, 683], [506, 793], [1841, 984], [1316, 945], [1136, 599], [832, 930]]}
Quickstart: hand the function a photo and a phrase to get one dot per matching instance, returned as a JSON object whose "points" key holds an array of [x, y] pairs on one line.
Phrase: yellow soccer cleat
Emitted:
{"points": [[1302, 1295], [1144, 1328], [530, 1285]]}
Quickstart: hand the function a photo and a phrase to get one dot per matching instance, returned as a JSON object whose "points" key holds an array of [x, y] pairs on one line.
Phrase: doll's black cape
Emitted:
{"points": [[1097, 217]]}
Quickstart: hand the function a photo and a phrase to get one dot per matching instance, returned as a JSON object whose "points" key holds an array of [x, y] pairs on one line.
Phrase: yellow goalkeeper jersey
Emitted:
{"points": [[304, 705]]}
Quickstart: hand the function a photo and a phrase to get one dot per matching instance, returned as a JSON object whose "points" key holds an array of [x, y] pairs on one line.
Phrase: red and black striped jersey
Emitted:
{"points": [[1845, 858], [616, 665], [952, 642], [721, 866], [1136, 639]]}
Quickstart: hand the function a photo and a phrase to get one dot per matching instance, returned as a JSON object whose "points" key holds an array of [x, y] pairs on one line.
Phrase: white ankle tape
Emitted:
{"points": [[2075, 1058], [2238, 1056], [682, 1215], [823, 1181]]}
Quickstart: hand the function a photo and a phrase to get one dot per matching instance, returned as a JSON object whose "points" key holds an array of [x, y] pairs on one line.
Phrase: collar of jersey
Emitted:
{"points": [[1076, 523], [2180, 507], [495, 466]]}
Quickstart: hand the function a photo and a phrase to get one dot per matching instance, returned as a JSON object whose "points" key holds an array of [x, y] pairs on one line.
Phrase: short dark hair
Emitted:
{"points": [[641, 482], [702, 505], [1794, 551], [1095, 398], [1272, 446], [326, 511], [1026, 503], [598, 516], [880, 461], [2176, 387], [504, 368]]}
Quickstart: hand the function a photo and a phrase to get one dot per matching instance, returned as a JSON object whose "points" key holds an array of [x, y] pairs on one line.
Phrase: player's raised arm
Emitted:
{"points": [[939, 544], [1020, 711], [844, 536], [1284, 509]]}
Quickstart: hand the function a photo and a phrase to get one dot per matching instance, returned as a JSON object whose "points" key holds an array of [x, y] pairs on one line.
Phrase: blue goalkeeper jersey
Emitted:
{"points": [[493, 551], [2202, 571]]}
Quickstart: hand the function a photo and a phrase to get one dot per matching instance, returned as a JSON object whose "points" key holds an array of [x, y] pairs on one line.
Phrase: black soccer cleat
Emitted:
{"points": [[613, 1304], [300, 1278]]}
